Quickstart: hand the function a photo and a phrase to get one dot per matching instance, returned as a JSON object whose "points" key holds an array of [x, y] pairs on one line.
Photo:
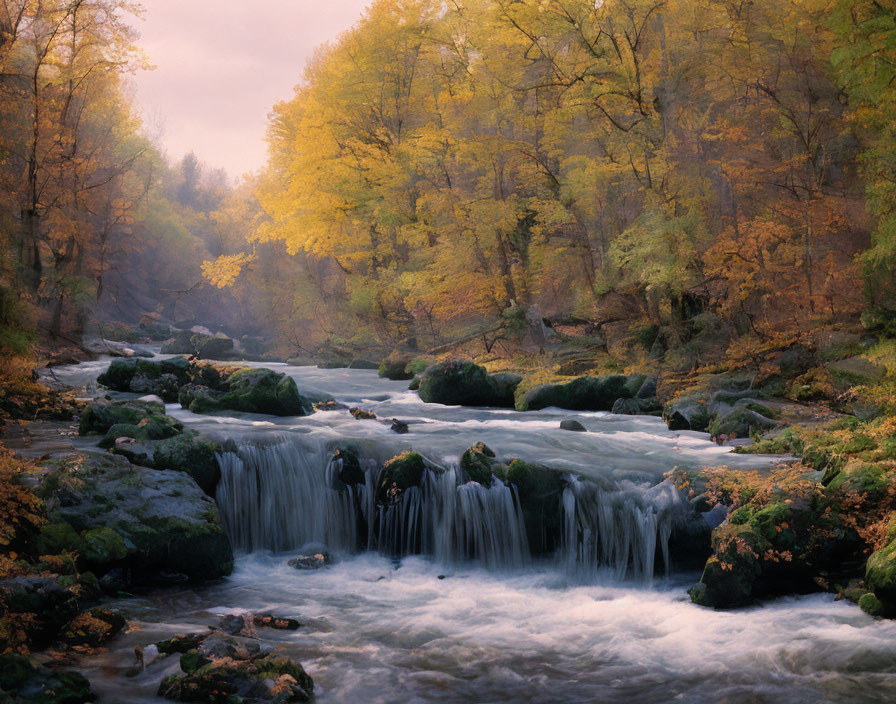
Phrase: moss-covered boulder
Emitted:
{"points": [[121, 372], [880, 573], [24, 680], [264, 391], [394, 366], [730, 575], [455, 383], [463, 383], [235, 669], [180, 343], [502, 389], [582, 394], [687, 414], [540, 491], [398, 475], [93, 628], [58, 538], [49, 603], [780, 542], [186, 453], [348, 467], [741, 423], [142, 519], [134, 419], [199, 399], [216, 347], [479, 464]]}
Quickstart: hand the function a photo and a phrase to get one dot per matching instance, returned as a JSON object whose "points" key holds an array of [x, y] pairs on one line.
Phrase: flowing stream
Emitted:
{"points": [[440, 597]]}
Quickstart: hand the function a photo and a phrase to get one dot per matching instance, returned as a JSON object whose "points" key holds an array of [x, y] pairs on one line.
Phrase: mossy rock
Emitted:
{"points": [[503, 389], [195, 457], [741, 423], [394, 366], [103, 546], [57, 538], [540, 491], [687, 414], [862, 478], [456, 383], [94, 627], [415, 384], [23, 680], [404, 471], [478, 464], [871, 605], [880, 576], [217, 347], [181, 343], [264, 391], [121, 372], [192, 660], [137, 518], [856, 371], [349, 470], [730, 575], [197, 398], [582, 394]]}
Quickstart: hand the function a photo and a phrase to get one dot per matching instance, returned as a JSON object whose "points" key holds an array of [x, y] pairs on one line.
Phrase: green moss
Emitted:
{"points": [[871, 605], [192, 456], [478, 463], [56, 538], [404, 471], [103, 546], [263, 391], [193, 660]]}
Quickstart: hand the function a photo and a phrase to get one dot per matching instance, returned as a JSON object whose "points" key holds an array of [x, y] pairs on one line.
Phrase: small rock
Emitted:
{"points": [[399, 426], [311, 562], [329, 406], [361, 414], [573, 425]]}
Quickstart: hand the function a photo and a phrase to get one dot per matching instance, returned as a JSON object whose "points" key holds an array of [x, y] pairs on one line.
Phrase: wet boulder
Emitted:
{"points": [[198, 398], [573, 426], [216, 347], [186, 453], [479, 464], [363, 364], [398, 475], [582, 394], [49, 603], [394, 366], [462, 383], [626, 407], [540, 491], [139, 518], [24, 680], [880, 573], [232, 668], [93, 628], [311, 562], [741, 423], [361, 414], [687, 414], [121, 372], [139, 420], [264, 391], [181, 343], [348, 467]]}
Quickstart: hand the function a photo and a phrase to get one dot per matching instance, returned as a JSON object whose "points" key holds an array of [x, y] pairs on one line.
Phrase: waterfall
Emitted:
{"points": [[287, 495], [618, 531], [283, 496]]}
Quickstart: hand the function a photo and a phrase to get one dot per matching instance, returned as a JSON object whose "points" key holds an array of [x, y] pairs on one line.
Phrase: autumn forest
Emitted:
{"points": [[443, 168]]}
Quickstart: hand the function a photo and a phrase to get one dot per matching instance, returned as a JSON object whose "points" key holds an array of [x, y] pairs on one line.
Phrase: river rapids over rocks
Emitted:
{"points": [[451, 592]]}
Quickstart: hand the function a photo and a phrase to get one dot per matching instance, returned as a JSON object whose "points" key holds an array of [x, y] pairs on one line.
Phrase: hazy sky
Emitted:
{"points": [[222, 64]]}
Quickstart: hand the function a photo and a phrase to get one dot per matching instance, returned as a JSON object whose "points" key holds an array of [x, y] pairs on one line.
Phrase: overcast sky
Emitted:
{"points": [[221, 65]]}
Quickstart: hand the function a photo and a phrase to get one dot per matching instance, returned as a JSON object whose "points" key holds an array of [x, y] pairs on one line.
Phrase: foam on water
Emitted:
{"points": [[376, 633]]}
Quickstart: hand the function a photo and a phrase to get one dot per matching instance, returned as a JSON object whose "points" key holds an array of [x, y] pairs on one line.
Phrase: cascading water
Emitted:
{"points": [[619, 530], [287, 495]]}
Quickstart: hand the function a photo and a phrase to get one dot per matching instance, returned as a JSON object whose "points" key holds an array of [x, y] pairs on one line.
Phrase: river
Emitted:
{"points": [[476, 619]]}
